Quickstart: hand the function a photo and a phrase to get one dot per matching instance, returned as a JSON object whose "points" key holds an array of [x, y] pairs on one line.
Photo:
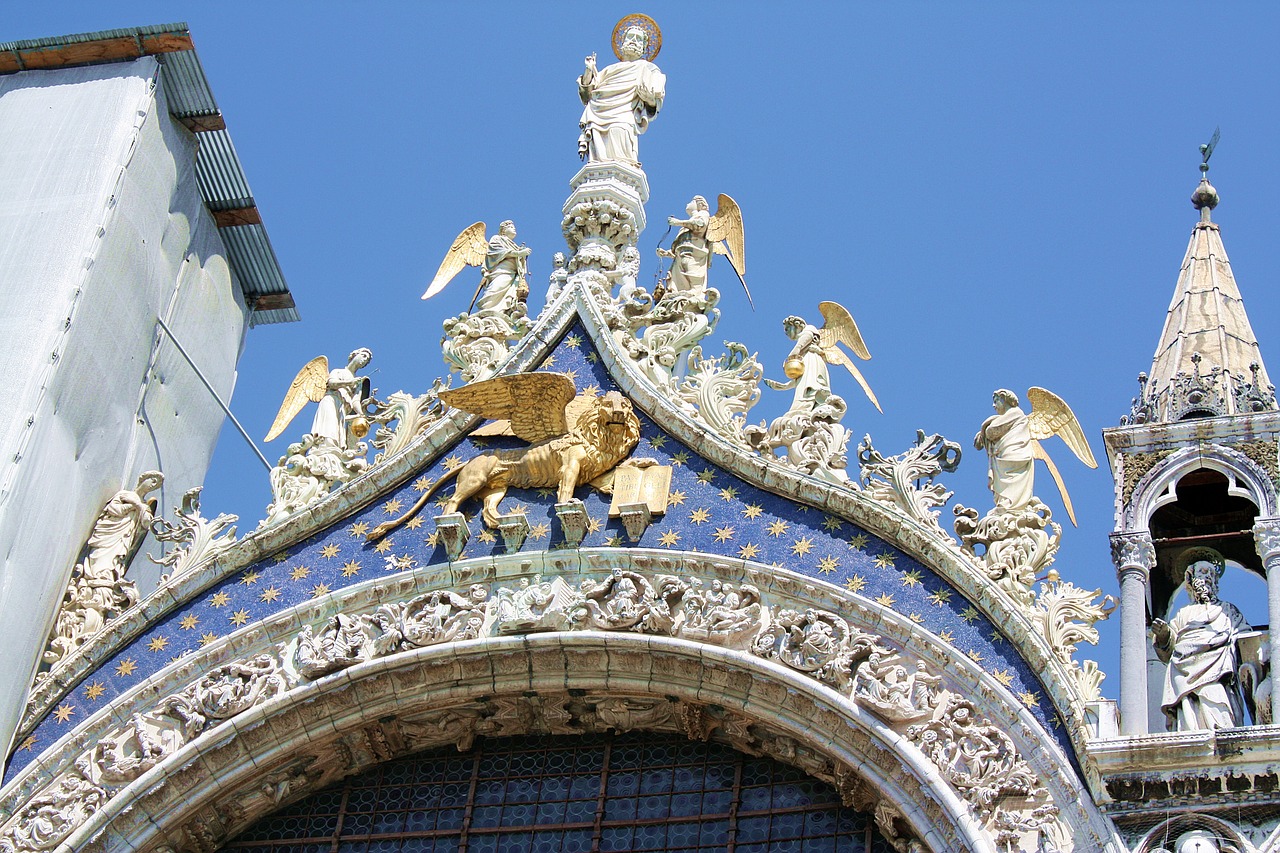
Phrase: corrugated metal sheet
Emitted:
{"points": [[221, 177]]}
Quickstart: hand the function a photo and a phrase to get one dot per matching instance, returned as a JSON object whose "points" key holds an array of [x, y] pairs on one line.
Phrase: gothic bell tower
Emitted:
{"points": [[1195, 467]]}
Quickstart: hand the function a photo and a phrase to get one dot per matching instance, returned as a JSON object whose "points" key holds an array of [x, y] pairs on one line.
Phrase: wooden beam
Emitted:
{"points": [[200, 124], [273, 301], [89, 52], [167, 43], [237, 216]]}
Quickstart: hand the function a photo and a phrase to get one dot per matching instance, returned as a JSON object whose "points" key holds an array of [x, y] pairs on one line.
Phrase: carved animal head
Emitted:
{"points": [[609, 425]]}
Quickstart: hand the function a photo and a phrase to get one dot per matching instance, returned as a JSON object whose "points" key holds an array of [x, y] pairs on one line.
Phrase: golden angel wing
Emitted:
{"points": [[726, 235], [534, 403], [1050, 415], [307, 387], [467, 250], [835, 355], [838, 326]]}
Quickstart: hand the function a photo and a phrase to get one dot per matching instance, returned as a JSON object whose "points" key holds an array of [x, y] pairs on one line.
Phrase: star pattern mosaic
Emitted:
{"points": [[710, 510]]}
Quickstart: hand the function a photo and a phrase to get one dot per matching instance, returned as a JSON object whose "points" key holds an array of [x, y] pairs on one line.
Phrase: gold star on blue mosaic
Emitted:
{"points": [[911, 578], [884, 599], [676, 498], [415, 522], [546, 493], [452, 461], [432, 538], [486, 536], [939, 597], [219, 599], [592, 390], [706, 476], [94, 690], [280, 558], [383, 546], [158, 644], [831, 523], [480, 442], [421, 484], [572, 374], [679, 458], [29, 744], [403, 563], [63, 713], [858, 542], [777, 527], [752, 510], [916, 618], [329, 551], [126, 666], [669, 538], [802, 546], [701, 515], [208, 637], [539, 530], [189, 621], [593, 358], [855, 583], [884, 561], [614, 541], [594, 524], [350, 567], [1003, 676], [269, 594], [360, 528], [392, 506], [723, 534], [249, 578], [946, 636], [319, 590], [657, 442], [748, 551], [300, 572], [827, 565], [573, 341], [995, 636], [728, 493], [968, 614], [1031, 700], [240, 617], [975, 656]]}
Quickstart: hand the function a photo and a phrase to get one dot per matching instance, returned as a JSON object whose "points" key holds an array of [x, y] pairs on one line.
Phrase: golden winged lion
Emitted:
{"points": [[1012, 439], [573, 439]]}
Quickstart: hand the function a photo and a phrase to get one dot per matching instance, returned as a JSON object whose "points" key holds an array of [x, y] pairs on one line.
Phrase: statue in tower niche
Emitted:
{"points": [[477, 341], [332, 452], [810, 430], [1199, 645], [621, 99], [1017, 538]]}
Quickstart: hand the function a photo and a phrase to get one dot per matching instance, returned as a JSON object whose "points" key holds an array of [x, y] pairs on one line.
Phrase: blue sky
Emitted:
{"points": [[998, 192]]}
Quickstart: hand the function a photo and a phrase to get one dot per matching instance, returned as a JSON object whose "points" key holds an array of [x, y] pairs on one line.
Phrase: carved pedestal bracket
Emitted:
{"points": [[514, 527], [453, 533], [636, 519], [573, 521]]}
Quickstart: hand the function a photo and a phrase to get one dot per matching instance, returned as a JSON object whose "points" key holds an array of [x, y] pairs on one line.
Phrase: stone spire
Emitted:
{"points": [[1207, 362]]}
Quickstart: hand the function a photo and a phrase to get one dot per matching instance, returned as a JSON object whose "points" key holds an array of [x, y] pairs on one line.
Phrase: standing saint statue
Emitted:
{"points": [[342, 395], [1200, 690], [621, 99]]}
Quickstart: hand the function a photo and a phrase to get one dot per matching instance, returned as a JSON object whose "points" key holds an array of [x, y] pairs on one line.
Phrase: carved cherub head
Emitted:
{"points": [[793, 326], [1003, 400]]}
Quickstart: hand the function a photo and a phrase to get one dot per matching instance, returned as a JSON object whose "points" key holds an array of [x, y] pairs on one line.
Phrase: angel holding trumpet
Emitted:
{"points": [[1012, 438]]}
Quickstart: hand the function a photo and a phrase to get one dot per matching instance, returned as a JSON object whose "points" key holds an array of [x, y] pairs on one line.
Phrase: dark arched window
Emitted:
{"points": [[634, 792]]}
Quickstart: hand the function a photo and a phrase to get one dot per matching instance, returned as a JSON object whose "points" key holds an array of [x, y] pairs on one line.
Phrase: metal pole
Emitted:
{"points": [[214, 393]]}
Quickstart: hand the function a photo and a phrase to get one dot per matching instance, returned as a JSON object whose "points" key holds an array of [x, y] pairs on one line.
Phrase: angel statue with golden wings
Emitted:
{"points": [[1012, 439], [806, 364], [503, 264], [699, 237], [342, 395]]}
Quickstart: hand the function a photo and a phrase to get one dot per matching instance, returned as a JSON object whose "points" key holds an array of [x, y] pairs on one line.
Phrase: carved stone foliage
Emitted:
{"points": [[596, 229], [1264, 453], [720, 391], [1016, 545], [308, 472], [1136, 466], [199, 539], [982, 763], [1218, 392], [411, 415], [677, 321], [906, 480], [98, 589], [815, 441], [129, 750], [1065, 615], [475, 345]]}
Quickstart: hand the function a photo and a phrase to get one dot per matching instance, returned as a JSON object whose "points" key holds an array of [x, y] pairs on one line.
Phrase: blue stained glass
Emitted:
{"points": [[682, 834], [650, 836], [353, 847], [582, 787], [487, 816], [717, 802], [653, 807], [489, 791], [392, 846], [519, 815], [450, 818], [714, 832], [388, 822], [756, 799], [655, 781], [482, 844], [820, 845], [576, 841], [550, 813], [616, 838], [522, 790], [515, 843], [554, 788], [753, 828], [623, 784], [685, 805], [357, 824]]}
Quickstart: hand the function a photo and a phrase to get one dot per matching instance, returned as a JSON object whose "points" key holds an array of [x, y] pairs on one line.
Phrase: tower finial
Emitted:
{"points": [[1205, 198]]}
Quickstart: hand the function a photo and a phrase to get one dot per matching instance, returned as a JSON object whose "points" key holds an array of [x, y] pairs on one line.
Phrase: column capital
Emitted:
{"points": [[1133, 552], [1266, 538]]}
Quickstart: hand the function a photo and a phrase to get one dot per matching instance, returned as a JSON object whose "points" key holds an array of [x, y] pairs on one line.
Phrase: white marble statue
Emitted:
{"points": [[341, 395], [702, 235], [1012, 438], [503, 285], [620, 100], [559, 276], [1200, 690]]}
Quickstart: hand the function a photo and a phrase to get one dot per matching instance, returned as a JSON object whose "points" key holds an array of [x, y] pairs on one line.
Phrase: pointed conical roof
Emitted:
{"points": [[1208, 361]]}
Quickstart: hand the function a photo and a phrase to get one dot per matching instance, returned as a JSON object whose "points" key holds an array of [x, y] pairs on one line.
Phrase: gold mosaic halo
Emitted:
{"points": [[644, 22]]}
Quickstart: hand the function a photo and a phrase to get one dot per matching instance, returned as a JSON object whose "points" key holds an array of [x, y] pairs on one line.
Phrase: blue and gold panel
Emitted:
{"points": [[710, 511]]}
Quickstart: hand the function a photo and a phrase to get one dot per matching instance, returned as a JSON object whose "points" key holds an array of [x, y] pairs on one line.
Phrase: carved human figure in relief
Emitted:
{"points": [[1012, 438], [115, 538], [815, 348], [1200, 690], [620, 100]]}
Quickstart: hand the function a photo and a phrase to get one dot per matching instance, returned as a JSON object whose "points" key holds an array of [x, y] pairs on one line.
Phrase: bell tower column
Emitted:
{"points": [[1134, 556], [1266, 536]]}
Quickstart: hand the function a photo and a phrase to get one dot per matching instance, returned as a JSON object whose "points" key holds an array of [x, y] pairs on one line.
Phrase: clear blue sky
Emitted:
{"points": [[998, 192]]}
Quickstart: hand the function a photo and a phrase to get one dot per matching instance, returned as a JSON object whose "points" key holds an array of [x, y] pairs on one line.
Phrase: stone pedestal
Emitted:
{"points": [[573, 521], [514, 528], [604, 214], [635, 518]]}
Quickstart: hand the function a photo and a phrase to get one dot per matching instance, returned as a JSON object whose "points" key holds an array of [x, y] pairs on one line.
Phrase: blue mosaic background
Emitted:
{"points": [[710, 511]]}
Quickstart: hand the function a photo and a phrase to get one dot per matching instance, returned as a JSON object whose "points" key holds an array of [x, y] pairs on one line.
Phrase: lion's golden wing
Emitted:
{"points": [[468, 249], [534, 403], [307, 387], [1050, 416], [838, 326]]}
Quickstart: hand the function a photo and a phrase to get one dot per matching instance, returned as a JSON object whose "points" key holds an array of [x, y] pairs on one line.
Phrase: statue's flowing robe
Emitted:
{"points": [[1199, 685], [503, 271], [1011, 458], [330, 419], [620, 101], [692, 256]]}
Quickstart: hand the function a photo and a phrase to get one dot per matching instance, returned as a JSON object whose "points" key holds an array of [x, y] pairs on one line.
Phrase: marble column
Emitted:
{"points": [[1134, 556], [1266, 537]]}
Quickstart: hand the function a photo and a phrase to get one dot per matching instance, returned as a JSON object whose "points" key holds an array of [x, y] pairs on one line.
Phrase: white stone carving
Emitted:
{"points": [[897, 480], [720, 391], [1065, 615], [534, 605], [667, 331], [199, 538], [626, 601], [883, 685], [817, 642], [722, 614], [619, 100], [98, 589], [1017, 545], [597, 229], [52, 815], [453, 533], [475, 345], [443, 617], [308, 472], [893, 826], [559, 277], [412, 417], [815, 441], [625, 713]]}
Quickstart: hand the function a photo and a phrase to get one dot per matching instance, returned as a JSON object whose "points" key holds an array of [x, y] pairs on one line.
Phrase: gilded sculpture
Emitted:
{"points": [[342, 395], [620, 100], [573, 438]]}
